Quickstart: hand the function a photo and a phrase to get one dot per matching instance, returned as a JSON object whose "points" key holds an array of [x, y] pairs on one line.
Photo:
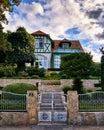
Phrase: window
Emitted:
{"points": [[39, 43], [65, 45], [42, 61], [57, 61]]}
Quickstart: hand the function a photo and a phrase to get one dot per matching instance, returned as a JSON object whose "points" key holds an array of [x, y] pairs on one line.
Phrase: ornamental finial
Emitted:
{"points": [[101, 50]]}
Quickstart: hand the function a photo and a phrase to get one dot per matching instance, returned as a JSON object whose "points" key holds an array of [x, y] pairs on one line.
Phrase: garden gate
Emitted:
{"points": [[52, 107]]}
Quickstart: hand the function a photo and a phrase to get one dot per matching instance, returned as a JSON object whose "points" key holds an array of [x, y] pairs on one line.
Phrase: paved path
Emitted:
{"points": [[49, 127]]}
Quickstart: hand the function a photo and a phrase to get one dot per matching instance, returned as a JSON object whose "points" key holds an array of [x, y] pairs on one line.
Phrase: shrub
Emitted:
{"points": [[35, 71], [65, 89], [1, 71], [23, 73], [97, 85], [35, 77], [1, 87], [20, 88], [7, 71], [78, 86]]}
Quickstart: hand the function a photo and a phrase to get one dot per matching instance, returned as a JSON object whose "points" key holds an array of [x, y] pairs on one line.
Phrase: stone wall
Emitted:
{"points": [[45, 86], [31, 116], [4, 82], [22, 118], [82, 118], [87, 83], [14, 118], [89, 118]]}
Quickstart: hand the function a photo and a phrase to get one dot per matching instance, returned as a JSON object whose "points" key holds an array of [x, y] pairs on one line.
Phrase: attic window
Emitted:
{"points": [[65, 45]]}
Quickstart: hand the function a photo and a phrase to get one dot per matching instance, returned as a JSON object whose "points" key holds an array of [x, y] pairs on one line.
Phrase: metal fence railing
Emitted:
{"points": [[91, 101], [12, 102]]}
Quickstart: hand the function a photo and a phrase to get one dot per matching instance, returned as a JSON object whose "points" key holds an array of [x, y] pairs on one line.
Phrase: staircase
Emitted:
{"points": [[52, 107]]}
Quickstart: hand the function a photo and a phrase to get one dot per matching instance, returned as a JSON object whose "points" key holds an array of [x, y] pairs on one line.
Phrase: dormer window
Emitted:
{"points": [[65, 45], [39, 43]]}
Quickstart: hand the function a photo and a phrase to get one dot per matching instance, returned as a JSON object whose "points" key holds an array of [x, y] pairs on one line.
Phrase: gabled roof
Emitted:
{"points": [[65, 40], [40, 33], [74, 44]]}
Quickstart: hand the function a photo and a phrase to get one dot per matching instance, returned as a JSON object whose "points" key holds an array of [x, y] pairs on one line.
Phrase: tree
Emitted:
{"points": [[23, 45], [78, 86], [76, 64], [7, 5], [4, 45], [102, 71], [96, 69]]}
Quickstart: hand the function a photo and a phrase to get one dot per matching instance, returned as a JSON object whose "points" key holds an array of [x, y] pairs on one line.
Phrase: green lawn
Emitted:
{"points": [[91, 107], [12, 105]]}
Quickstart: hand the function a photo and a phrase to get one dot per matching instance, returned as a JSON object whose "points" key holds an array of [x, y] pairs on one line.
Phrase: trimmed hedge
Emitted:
{"points": [[20, 88], [65, 89]]}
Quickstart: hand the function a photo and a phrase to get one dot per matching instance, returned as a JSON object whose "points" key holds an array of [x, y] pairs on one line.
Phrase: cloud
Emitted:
{"points": [[100, 35], [31, 9], [96, 54], [94, 13], [73, 19]]}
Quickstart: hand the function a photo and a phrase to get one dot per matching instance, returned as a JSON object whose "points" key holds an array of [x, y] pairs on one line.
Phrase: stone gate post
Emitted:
{"points": [[32, 106], [72, 104]]}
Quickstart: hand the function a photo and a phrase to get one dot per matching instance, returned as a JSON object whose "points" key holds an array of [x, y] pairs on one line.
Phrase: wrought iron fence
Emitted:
{"points": [[12, 102], [91, 101]]}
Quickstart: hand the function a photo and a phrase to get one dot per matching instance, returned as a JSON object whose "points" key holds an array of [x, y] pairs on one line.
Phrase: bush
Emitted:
{"points": [[35, 77], [1, 87], [20, 88], [78, 86], [35, 71], [97, 85], [65, 89], [7, 71]]}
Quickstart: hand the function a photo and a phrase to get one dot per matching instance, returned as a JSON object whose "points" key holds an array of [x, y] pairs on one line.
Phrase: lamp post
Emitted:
{"points": [[102, 68]]}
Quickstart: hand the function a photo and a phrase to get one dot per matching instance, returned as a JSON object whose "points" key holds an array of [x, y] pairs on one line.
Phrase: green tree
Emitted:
{"points": [[78, 86], [96, 69], [4, 45], [23, 46], [7, 5], [76, 64], [102, 71]]}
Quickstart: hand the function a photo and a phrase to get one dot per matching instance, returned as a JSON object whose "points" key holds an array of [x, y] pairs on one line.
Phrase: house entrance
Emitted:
{"points": [[52, 107]]}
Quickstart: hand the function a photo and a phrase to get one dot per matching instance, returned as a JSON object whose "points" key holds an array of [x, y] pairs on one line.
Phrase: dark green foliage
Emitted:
{"points": [[63, 76], [65, 89], [23, 45], [1, 87], [78, 86], [35, 71], [96, 69], [97, 85], [20, 88], [76, 64], [35, 77], [4, 46], [7, 5], [7, 71], [102, 72]]}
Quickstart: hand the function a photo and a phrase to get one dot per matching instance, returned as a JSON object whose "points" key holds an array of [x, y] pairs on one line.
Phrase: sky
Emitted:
{"points": [[81, 20]]}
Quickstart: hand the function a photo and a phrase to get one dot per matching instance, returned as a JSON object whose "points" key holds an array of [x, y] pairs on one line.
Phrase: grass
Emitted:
{"points": [[91, 107], [6, 105]]}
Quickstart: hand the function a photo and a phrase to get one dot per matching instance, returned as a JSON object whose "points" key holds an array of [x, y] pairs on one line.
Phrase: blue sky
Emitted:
{"points": [[72, 19]]}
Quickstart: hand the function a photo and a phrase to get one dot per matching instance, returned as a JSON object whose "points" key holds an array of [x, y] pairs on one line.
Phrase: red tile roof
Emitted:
{"points": [[40, 33], [74, 43]]}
